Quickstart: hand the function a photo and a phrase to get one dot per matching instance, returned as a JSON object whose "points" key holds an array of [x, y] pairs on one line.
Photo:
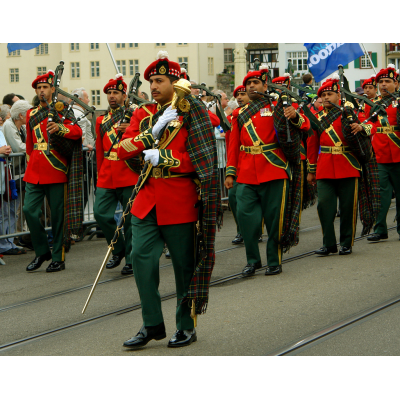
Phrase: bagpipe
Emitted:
{"points": [[225, 124]]}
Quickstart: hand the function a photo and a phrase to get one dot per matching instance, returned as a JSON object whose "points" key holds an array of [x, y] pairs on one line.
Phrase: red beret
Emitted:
{"points": [[116, 84], [46, 78], [162, 66], [389, 72], [283, 80], [369, 81], [262, 75], [330, 85], [240, 88]]}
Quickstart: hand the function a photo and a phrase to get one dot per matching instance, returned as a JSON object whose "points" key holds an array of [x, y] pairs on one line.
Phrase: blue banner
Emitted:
{"points": [[21, 46], [324, 58]]}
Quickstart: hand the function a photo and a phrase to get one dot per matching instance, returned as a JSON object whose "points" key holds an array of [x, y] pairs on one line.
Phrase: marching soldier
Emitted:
{"points": [[47, 175], [242, 98], [259, 165], [336, 172], [386, 143], [116, 179], [167, 206], [370, 89]]}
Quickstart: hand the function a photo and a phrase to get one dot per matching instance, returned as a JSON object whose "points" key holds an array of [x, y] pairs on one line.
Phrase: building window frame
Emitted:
{"points": [[94, 46], [228, 55], [41, 70], [160, 44], [121, 64], [133, 66], [133, 45], [42, 49], [75, 70], [74, 47], [298, 55], [95, 69], [14, 75], [210, 65], [16, 53], [364, 61], [120, 45]]}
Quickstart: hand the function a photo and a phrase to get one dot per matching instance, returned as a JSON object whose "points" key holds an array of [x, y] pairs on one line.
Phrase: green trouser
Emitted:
{"points": [[104, 209], [254, 202], [233, 204], [389, 180], [34, 197], [328, 192], [148, 240]]}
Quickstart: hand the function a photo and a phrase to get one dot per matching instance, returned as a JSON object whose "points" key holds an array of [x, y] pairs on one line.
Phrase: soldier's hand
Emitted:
{"points": [[311, 179], [152, 155], [52, 127], [122, 127], [229, 182], [290, 112], [355, 128]]}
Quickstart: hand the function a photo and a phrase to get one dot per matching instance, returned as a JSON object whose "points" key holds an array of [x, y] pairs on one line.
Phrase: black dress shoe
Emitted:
{"points": [[250, 269], [324, 251], [55, 266], [376, 237], [344, 251], [238, 239], [115, 260], [273, 270], [127, 270], [183, 338], [38, 261], [145, 335]]}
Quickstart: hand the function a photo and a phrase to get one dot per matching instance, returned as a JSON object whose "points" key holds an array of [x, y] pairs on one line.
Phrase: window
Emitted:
{"points": [[182, 44], [74, 47], [133, 67], [183, 60], [135, 45], [96, 97], [364, 63], [15, 53], [121, 64], [210, 44], [210, 66], [160, 44], [14, 75], [395, 61], [41, 70], [228, 55], [120, 45], [75, 71], [42, 49], [299, 61], [94, 69], [94, 46]]}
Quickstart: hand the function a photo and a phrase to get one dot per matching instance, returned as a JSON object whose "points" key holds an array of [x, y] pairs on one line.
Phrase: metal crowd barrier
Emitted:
{"points": [[12, 220]]}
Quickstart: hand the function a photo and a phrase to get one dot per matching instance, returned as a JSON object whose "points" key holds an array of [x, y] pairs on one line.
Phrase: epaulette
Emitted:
{"points": [[243, 108], [320, 114], [34, 111], [294, 100]]}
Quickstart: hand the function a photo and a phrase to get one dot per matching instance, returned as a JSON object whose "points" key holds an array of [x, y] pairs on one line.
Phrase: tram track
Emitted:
{"points": [[169, 296], [110, 280]]}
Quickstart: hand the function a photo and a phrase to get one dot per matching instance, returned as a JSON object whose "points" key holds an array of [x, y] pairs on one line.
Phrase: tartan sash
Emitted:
{"points": [[250, 109], [326, 120]]}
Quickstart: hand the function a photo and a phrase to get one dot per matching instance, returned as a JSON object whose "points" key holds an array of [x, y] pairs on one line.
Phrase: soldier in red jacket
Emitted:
{"points": [[167, 206], [116, 178], [386, 143], [335, 170], [262, 172], [46, 175]]}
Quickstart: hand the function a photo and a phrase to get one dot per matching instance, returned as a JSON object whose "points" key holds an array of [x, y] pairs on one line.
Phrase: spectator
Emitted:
{"points": [[8, 206], [315, 106], [35, 101], [10, 99], [144, 96], [195, 92], [224, 98], [4, 115], [307, 79], [14, 128], [84, 123]]}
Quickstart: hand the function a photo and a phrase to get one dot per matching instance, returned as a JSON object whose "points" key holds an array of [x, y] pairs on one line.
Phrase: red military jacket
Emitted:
{"points": [[113, 173], [45, 169], [214, 119], [174, 197], [268, 164], [386, 136], [331, 165]]}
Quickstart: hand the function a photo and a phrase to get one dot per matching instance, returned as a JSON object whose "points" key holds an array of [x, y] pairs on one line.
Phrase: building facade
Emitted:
{"points": [[90, 65]]}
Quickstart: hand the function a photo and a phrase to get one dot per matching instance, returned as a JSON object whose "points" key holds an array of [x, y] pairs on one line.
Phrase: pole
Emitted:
{"points": [[366, 52], [112, 57]]}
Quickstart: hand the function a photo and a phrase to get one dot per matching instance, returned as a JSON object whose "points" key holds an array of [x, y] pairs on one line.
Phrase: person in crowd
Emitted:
{"points": [[4, 115], [193, 91], [315, 105], [14, 128], [307, 84], [116, 178], [370, 88], [144, 96], [224, 98], [232, 105], [10, 99]]}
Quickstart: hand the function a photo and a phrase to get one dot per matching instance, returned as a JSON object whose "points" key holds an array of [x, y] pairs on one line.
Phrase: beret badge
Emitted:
{"points": [[162, 70]]}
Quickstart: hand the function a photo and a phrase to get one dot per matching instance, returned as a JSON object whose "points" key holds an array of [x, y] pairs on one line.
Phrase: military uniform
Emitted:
{"points": [[165, 210], [115, 182], [337, 172], [262, 173], [46, 175], [386, 144]]}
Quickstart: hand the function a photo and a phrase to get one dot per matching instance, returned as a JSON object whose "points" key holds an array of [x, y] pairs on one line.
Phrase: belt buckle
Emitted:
{"points": [[255, 150], [337, 150], [387, 129], [113, 156], [157, 173], [42, 146]]}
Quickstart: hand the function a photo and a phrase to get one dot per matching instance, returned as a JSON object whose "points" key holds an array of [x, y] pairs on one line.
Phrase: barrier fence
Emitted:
{"points": [[12, 192]]}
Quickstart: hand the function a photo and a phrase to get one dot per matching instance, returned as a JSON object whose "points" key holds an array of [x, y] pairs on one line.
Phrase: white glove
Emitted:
{"points": [[168, 116], [152, 155]]}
